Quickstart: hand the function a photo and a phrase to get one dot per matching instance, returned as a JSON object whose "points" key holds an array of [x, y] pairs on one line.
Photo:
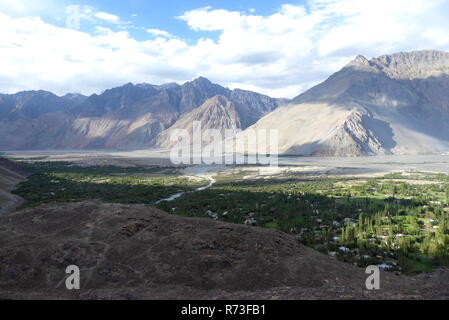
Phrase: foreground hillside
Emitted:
{"points": [[395, 104], [140, 252], [10, 175]]}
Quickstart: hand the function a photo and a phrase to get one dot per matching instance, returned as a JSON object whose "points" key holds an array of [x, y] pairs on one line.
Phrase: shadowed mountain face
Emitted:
{"points": [[131, 116], [229, 115], [216, 113], [396, 104], [33, 104]]}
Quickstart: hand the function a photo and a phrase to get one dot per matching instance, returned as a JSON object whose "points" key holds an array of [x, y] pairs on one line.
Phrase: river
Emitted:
{"points": [[205, 172]]}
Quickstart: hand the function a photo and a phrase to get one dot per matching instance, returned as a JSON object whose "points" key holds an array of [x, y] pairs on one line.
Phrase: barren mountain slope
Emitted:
{"points": [[131, 116], [139, 252], [216, 113], [127, 117], [395, 104], [10, 175]]}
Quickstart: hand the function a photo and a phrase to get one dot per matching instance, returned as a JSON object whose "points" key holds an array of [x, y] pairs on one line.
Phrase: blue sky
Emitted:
{"points": [[161, 14], [277, 47], [153, 14]]}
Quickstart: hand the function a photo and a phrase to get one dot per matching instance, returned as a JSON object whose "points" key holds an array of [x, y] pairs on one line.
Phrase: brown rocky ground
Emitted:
{"points": [[10, 175], [140, 252]]}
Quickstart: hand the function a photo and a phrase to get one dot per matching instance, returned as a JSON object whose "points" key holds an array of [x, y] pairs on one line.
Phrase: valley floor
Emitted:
{"points": [[389, 211]]}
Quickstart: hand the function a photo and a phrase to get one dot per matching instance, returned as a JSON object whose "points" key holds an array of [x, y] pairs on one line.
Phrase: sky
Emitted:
{"points": [[279, 48]]}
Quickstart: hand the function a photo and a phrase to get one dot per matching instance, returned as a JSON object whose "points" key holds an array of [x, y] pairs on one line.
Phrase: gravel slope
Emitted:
{"points": [[10, 175], [140, 252]]}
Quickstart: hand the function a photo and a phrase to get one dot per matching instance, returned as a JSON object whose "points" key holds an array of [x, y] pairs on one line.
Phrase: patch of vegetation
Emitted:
{"points": [[399, 225], [399, 222], [65, 182]]}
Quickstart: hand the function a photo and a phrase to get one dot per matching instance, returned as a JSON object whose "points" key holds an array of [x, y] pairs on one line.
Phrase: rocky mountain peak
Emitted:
{"points": [[218, 100], [414, 65], [393, 104], [171, 85], [361, 60], [128, 116], [361, 63], [405, 65], [34, 93], [415, 57], [201, 80]]}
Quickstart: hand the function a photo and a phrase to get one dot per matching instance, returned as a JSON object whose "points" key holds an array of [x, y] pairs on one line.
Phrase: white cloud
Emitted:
{"points": [[26, 7], [280, 54], [37, 55], [111, 18], [299, 46], [92, 15], [158, 32], [13, 5]]}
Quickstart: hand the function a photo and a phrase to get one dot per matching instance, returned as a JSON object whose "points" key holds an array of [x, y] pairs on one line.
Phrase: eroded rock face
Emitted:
{"points": [[217, 113], [414, 65], [397, 104], [126, 117], [139, 252]]}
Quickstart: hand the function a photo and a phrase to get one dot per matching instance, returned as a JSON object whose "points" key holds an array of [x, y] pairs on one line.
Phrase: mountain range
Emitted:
{"points": [[393, 104], [126, 117]]}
